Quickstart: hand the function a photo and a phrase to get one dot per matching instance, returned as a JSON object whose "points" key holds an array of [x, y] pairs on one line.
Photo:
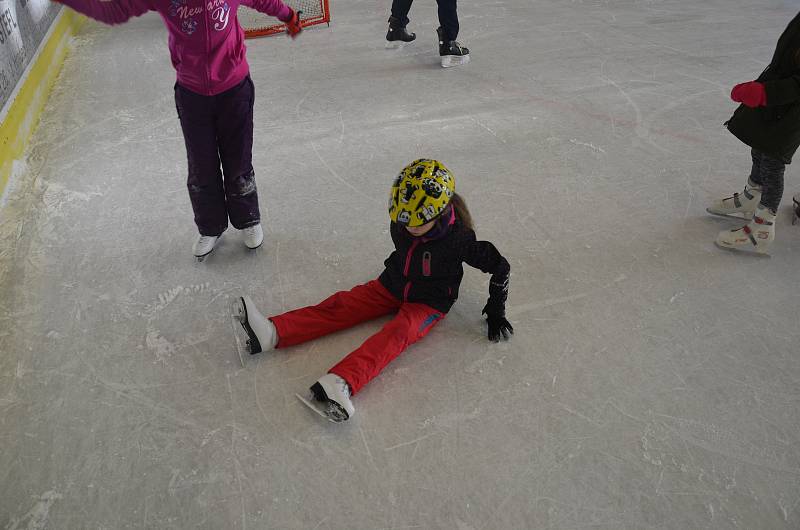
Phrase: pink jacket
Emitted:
{"points": [[206, 41]]}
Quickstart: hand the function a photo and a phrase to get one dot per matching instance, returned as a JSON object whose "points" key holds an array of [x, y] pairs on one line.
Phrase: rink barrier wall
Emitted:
{"points": [[20, 115]]}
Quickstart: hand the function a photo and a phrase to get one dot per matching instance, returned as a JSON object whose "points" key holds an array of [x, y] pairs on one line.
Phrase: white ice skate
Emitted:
{"points": [[756, 236], [739, 205], [253, 332], [203, 246], [330, 398], [253, 236], [796, 208]]}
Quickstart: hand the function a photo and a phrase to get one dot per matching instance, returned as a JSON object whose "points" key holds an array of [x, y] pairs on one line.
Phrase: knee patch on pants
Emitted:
{"points": [[243, 185]]}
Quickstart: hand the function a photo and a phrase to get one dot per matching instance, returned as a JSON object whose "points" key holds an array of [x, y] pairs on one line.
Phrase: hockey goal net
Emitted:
{"points": [[258, 24]]}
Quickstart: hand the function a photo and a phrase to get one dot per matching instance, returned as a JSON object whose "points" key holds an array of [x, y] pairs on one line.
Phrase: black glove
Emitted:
{"points": [[498, 325]]}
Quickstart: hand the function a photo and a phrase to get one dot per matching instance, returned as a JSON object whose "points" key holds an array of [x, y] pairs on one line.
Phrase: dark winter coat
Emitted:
{"points": [[775, 129], [429, 271]]}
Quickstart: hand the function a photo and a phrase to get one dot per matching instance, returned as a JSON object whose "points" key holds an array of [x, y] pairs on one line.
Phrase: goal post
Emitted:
{"points": [[256, 24]]}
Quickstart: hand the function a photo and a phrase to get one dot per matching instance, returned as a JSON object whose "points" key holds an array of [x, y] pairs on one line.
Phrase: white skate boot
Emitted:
{"points": [[253, 332], [756, 236], [740, 205], [330, 397], [253, 236], [203, 246], [796, 207]]}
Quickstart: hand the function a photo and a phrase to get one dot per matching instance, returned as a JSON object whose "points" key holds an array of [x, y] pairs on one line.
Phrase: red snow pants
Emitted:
{"points": [[345, 309]]}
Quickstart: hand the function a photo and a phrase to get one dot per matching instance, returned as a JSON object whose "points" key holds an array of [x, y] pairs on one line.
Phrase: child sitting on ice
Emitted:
{"points": [[433, 236]]}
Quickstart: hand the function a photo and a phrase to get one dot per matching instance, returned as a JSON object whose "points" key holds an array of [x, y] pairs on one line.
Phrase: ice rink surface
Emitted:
{"points": [[653, 381]]}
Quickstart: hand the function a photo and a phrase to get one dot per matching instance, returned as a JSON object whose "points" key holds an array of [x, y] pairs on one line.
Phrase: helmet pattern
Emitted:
{"points": [[421, 192]]}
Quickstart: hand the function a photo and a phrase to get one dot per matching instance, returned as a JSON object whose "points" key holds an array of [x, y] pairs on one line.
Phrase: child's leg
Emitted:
{"points": [[759, 233], [742, 205], [448, 18], [755, 171], [770, 173], [196, 114], [235, 136], [412, 322], [340, 311]]}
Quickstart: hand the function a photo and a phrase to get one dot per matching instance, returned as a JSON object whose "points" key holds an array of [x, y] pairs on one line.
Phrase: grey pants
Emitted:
{"points": [[768, 173]]}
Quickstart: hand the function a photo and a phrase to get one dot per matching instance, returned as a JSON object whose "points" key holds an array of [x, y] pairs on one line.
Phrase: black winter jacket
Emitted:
{"points": [[775, 129], [430, 271]]}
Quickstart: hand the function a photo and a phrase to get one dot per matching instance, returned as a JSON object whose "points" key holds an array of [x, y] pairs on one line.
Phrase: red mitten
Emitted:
{"points": [[293, 24], [751, 94]]}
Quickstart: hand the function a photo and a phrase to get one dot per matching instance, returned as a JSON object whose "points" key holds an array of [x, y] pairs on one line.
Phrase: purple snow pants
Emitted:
{"points": [[219, 130]]}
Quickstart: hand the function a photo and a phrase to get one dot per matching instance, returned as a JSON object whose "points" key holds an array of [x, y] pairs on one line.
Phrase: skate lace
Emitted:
{"points": [[250, 230]]}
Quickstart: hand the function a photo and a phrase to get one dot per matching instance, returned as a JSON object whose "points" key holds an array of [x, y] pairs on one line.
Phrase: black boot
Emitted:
{"points": [[397, 34], [451, 52]]}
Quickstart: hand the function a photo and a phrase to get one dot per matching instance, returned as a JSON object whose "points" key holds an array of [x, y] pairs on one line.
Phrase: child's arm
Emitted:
{"points": [[276, 8], [273, 8], [110, 11], [484, 256]]}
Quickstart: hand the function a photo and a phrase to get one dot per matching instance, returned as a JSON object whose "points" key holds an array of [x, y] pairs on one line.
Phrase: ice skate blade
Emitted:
{"points": [[246, 340], [738, 217], [448, 61], [744, 250], [202, 258], [236, 325], [329, 411], [253, 345]]}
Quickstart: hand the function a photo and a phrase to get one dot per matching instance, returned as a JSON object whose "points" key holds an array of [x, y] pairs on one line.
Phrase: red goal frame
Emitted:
{"points": [[280, 27]]}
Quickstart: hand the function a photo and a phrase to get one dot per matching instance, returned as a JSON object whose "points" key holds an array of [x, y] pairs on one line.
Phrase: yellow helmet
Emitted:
{"points": [[421, 192]]}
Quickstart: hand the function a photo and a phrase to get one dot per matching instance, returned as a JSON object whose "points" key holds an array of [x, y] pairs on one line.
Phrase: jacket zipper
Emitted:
{"points": [[407, 267], [426, 263]]}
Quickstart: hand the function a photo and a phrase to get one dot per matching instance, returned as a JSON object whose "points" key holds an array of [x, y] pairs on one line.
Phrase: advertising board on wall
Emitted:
{"points": [[23, 25]]}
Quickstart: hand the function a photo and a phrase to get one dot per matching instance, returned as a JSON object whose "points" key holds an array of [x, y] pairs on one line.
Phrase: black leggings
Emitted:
{"points": [[768, 172], [448, 17]]}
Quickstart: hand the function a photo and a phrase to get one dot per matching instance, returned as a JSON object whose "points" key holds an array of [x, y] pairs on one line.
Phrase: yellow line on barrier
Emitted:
{"points": [[24, 110]]}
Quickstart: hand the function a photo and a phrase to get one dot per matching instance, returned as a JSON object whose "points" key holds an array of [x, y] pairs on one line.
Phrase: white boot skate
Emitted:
{"points": [[330, 397], [253, 332], [203, 246], [253, 236], [796, 207], [756, 236], [740, 205]]}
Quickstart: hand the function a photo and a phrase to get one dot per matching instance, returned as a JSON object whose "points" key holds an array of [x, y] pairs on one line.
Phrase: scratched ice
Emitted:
{"points": [[652, 381]]}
